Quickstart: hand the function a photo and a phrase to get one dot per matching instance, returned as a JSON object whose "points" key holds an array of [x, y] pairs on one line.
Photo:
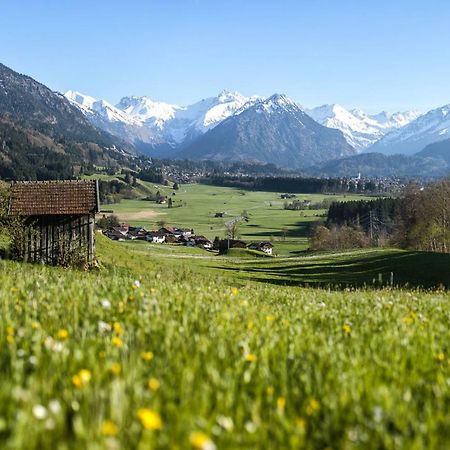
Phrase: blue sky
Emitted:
{"points": [[374, 55]]}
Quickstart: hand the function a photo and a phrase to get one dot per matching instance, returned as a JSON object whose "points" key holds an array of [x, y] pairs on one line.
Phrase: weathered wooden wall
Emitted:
{"points": [[48, 237]]}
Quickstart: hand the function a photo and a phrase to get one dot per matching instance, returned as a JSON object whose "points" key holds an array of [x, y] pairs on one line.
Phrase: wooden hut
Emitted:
{"points": [[60, 218]]}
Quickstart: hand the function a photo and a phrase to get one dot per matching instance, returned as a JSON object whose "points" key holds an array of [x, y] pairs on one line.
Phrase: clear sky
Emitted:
{"points": [[372, 54]]}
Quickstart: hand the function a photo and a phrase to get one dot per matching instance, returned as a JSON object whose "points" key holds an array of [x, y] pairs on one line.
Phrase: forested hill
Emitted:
{"points": [[39, 126]]}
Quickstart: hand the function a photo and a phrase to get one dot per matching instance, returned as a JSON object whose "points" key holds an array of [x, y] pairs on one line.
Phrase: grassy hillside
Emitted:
{"points": [[150, 353]]}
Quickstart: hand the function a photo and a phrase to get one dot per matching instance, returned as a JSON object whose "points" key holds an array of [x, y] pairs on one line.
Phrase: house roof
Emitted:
{"points": [[42, 198]]}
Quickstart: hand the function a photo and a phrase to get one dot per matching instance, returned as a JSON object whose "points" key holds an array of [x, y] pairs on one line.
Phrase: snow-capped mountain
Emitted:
{"points": [[195, 120], [113, 120], [275, 130], [434, 126], [360, 129]]}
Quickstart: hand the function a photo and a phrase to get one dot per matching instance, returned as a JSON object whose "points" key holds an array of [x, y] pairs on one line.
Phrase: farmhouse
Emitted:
{"points": [[60, 216], [265, 247]]}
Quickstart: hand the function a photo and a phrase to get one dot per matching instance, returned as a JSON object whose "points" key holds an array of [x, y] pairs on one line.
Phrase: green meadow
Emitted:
{"points": [[187, 351]]}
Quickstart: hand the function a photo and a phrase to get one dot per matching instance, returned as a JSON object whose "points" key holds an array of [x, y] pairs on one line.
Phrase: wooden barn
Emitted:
{"points": [[60, 216]]}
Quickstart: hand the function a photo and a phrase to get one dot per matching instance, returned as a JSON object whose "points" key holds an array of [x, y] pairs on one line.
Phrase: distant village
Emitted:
{"points": [[183, 236]]}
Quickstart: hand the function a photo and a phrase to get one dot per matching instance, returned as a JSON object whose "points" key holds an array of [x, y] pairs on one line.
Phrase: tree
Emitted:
{"points": [[170, 203], [232, 229], [107, 222], [175, 186]]}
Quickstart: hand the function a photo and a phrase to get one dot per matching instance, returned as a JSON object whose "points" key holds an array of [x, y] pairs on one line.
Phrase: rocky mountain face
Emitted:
{"points": [[35, 121], [275, 130]]}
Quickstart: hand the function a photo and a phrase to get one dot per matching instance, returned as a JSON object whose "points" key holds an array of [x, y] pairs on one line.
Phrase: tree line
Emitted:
{"points": [[418, 220]]}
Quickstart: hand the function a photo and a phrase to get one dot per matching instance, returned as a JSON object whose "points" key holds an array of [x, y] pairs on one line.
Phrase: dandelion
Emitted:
{"points": [[118, 329], [300, 423], [115, 368], [147, 356], [250, 325], [270, 318], [346, 328], [109, 428], [440, 356], [312, 407], [251, 357], [234, 291], [40, 412], [82, 378], [62, 334], [35, 325], [410, 318], [116, 341], [150, 419], [281, 403], [202, 441], [154, 384]]}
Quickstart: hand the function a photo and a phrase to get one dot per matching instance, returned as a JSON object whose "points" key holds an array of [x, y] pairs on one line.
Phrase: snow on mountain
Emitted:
{"points": [[360, 129], [275, 130], [113, 120], [196, 119], [434, 126], [90, 105], [147, 111]]}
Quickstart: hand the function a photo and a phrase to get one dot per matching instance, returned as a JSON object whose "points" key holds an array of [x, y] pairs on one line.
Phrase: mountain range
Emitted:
{"points": [[47, 132]]}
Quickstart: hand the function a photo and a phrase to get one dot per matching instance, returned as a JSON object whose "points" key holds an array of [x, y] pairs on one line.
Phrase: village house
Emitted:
{"points": [[265, 247], [60, 216]]}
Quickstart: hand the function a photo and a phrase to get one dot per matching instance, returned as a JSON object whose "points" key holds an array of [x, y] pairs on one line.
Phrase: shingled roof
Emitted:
{"points": [[41, 198]]}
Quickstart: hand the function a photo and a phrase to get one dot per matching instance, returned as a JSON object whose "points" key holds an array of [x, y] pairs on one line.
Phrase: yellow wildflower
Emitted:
{"points": [[154, 384], [201, 441], [35, 325], [312, 407], [300, 423], [251, 357], [410, 318], [270, 318], [346, 328], [82, 378], [62, 334], [116, 341], [150, 419], [115, 368], [281, 403], [250, 325], [118, 329], [109, 428], [10, 339], [234, 290], [9, 329], [270, 391], [147, 356], [440, 356]]}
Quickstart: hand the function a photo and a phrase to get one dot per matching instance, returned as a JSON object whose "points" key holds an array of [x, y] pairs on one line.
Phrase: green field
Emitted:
{"points": [[268, 220], [152, 351]]}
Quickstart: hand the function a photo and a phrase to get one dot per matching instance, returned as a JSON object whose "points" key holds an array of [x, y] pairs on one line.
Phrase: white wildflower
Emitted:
{"points": [[40, 412]]}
